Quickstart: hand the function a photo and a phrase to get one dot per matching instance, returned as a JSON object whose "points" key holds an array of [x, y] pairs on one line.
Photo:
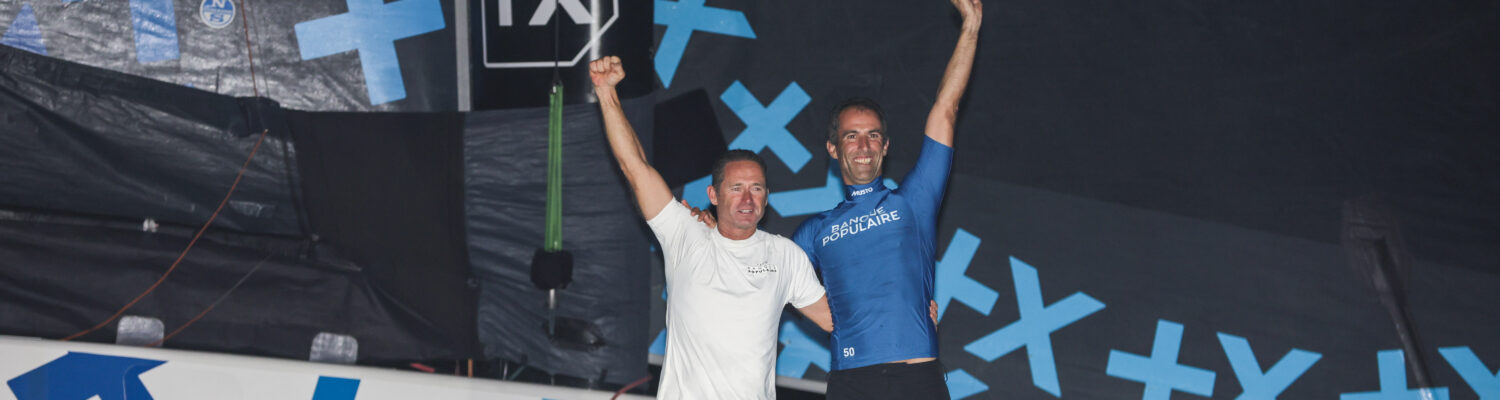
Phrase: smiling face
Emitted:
{"points": [[860, 147], [740, 198]]}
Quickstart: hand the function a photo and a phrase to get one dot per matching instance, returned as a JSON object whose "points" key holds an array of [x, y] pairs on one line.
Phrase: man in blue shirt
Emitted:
{"points": [[877, 249]]}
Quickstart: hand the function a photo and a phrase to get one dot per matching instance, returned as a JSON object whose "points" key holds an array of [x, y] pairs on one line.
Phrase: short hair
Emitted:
{"points": [[857, 103], [732, 156]]}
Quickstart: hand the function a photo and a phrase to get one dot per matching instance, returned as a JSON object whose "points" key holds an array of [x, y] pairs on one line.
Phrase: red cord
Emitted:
{"points": [[632, 385], [185, 250], [249, 51]]}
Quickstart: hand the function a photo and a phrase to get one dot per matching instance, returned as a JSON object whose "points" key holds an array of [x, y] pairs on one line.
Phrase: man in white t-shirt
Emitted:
{"points": [[727, 284]]}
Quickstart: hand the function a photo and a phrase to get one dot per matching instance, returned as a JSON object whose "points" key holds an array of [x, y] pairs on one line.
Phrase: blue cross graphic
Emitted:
{"points": [[696, 192], [659, 346], [155, 25], [24, 33], [1479, 378], [961, 384], [765, 126], [78, 375], [372, 28], [331, 388], [952, 284], [799, 351], [1393, 382], [1275, 380], [1161, 373], [810, 200], [1034, 329], [684, 17]]}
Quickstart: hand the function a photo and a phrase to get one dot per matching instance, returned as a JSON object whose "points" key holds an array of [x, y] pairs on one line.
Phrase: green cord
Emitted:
{"points": [[554, 170]]}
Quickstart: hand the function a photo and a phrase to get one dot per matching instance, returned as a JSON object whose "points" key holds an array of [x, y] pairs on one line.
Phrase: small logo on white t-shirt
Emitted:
{"points": [[763, 267]]}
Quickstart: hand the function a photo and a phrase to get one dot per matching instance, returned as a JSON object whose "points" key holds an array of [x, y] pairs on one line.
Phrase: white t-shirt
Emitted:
{"points": [[724, 302]]}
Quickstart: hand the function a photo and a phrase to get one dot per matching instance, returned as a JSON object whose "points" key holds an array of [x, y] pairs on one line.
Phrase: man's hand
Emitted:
{"points": [[932, 312], [704, 216], [972, 12], [606, 72]]}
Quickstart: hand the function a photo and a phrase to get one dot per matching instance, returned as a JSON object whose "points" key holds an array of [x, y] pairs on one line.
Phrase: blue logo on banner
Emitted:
{"points": [[372, 28], [216, 13], [1161, 373], [765, 126], [155, 23], [1268, 385], [952, 284], [799, 351], [961, 384], [1034, 329], [684, 17], [1393, 382], [24, 33], [79, 376], [331, 388], [1473, 371]]}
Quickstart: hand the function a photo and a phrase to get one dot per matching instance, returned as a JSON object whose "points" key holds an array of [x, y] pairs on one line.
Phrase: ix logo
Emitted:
{"points": [[510, 45]]}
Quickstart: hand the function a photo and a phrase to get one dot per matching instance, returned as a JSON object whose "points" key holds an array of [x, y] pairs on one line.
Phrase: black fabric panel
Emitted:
{"points": [[386, 191], [505, 155], [84, 140], [59, 276], [687, 139]]}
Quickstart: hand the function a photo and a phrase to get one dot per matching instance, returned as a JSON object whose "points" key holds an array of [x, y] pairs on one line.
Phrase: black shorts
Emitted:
{"points": [[920, 381]]}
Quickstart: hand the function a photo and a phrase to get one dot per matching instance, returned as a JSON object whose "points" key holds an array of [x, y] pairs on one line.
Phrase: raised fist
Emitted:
{"points": [[971, 10], [606, 72]]}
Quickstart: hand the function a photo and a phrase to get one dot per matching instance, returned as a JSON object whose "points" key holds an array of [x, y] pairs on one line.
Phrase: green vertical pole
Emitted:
{"points": [[554, 169]]}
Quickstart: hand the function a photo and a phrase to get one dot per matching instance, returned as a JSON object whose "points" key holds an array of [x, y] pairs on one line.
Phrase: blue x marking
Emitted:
{"points": [[1473, 371], [684, 17], [1161, 373], [1268, 385], [1034, 329], [372, 27], [799, 352], [765, 126], [952, 284], [1393, 382]]}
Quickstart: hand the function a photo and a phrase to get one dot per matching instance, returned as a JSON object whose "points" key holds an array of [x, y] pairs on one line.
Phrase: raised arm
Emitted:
{"points": [[944, 113], [651, 192]]}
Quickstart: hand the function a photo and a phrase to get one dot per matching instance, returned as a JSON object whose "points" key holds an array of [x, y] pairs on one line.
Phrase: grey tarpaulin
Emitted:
{"points": [[505, 160], [89, 141], [171, 41], [86, 155]]}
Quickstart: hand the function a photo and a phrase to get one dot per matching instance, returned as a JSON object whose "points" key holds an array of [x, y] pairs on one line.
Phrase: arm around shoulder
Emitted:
{"points": [[819, 313]]}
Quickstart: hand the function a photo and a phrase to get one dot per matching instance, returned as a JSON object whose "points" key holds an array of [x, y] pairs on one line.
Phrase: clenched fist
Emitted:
{"points": [[606, 72], [972, 12]]}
